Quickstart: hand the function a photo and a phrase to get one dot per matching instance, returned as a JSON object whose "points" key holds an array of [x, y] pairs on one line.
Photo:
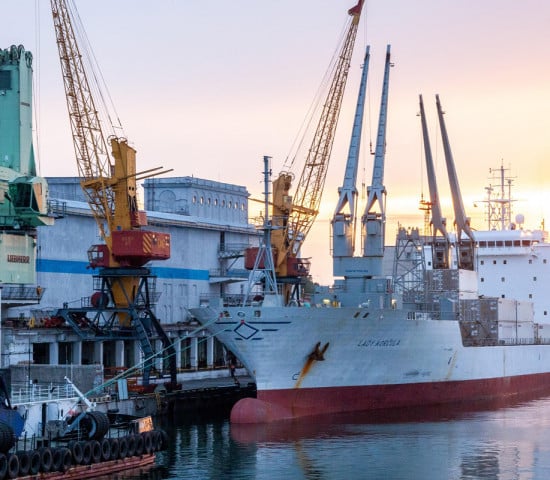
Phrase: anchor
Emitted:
{"points": [[318, 353]]}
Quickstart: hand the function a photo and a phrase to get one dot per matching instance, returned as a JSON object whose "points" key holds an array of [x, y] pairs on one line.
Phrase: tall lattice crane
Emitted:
{"points": [[293, 216], [122, 302]]}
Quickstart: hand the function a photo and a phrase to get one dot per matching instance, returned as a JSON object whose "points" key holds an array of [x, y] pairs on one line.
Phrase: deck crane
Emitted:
{"points": [[293, 216], [345, 264], [122, 302], [374, 219], [344, 219], [363, 275], [440, 245], [464, 247]]}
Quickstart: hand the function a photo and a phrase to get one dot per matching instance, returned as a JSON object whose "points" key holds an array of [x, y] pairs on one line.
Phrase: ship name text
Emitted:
{"points": [[383, 342]]}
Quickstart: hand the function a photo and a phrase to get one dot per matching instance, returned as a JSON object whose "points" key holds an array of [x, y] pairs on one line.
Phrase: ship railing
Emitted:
{"points": [[21, 292], [227, 273], [40, 392], [524, 341]]}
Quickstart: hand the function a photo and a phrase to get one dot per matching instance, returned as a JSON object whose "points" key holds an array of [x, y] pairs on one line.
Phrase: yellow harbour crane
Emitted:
{"points": [[293, 216], [122, 301]]}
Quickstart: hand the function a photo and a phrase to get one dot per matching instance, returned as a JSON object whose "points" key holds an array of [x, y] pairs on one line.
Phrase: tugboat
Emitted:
{"points": [[57, 434]]}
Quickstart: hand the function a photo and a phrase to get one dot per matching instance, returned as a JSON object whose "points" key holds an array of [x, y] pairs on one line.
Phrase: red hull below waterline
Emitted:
{"points": [[276, 405]]}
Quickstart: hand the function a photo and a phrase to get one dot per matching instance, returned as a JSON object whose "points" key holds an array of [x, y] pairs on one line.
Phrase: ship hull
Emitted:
{"points": [[312, 361]]}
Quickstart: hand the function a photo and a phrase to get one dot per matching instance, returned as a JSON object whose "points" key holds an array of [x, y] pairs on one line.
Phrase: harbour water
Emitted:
{"points": [[505, 441]]}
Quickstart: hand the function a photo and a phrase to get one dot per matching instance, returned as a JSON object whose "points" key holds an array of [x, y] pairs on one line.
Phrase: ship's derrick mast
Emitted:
{"points": [[108, 180], [374, 218], [294, 215], [344, 220], [440, 245], [464, 246]]}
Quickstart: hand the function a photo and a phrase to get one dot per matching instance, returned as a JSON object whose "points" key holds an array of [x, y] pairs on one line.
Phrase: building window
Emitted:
{"points": [[41, 353], [5, 80], [530, 295], [194, 199], [481, 279], [502, 279], [482, 262], [530, 261], [504, 262], [534, 279], [215, 202], [494, 262]]}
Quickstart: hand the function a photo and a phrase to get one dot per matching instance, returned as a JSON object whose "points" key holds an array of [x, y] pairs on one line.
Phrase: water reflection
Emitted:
{"points": [[510, 442]]}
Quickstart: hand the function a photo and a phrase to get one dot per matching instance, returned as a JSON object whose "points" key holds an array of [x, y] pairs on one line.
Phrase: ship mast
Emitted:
{"points": [[264, 266], [440, 249], [465, 248], [345, 215], [499, 208], [374, 219]]}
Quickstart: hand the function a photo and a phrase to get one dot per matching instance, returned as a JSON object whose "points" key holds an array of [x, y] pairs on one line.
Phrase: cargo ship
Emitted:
{"points": [[444, 327]]}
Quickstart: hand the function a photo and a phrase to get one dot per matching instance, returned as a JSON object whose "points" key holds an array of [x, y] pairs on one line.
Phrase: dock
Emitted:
{"points": [[205, 396]]}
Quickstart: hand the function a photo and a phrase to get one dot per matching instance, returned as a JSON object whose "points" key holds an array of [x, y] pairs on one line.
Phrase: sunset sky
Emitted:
{"points": [[209, 87]]}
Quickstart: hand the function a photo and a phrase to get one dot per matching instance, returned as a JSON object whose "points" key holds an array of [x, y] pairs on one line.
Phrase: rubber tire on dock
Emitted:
{"points": [[86, 453], [35, 462], [13, 466], [99, 422], [96, 451], [56, 459], [131, 439], [115, 448], [66, 459], [147, 442], [122, 447], [24, 463], [139, 444], [3, 465], [105, 449], [76, 450], [46, 459]]}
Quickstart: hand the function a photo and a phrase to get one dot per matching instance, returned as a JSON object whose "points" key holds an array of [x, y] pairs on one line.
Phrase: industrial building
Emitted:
{"points": [[208, 225]]}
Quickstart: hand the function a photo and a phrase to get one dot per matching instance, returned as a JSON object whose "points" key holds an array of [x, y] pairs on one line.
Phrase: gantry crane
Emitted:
{"points": [[293, 216], [124, 287]]}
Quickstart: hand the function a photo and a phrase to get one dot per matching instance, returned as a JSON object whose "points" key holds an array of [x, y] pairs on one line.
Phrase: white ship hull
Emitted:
{"points": [[309, 361]]}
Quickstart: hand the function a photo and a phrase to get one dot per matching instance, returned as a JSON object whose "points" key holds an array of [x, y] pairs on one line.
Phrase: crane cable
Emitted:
{"points": [[314, 108], [98, 85]]}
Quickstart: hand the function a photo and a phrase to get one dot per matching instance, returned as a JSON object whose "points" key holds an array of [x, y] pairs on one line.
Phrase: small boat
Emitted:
{"points": [[56, 433]]}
